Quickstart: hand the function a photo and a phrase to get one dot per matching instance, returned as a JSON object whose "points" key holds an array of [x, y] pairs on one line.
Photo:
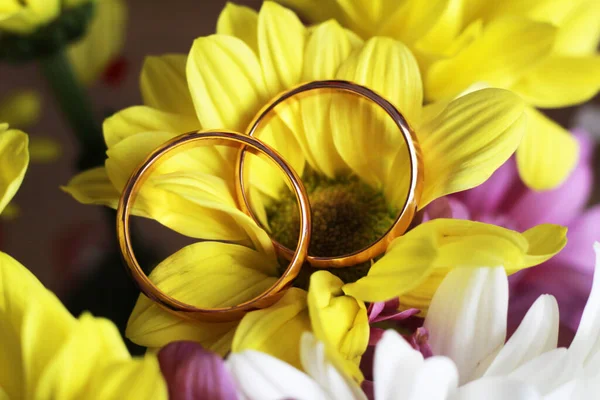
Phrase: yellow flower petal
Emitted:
{"points": [[263, 174], [14, 158], [388, 67], [547, 154], [445, 29], [338, 320], [205, 274], [492, 58], [93, 187], [153, 327], [281, 38], [466, 143], [211, 193], [544, 240], [405, 265], [276, 330], [240, 22], [21, 109], [431, 21], [19, 18], [164, 85], [103, 41], [560, 81], [27, 308], [327, 47], [139, 119], [226, 82], [214, 274], [93, 343], [579, 31], [416, 263], [140, 378]]}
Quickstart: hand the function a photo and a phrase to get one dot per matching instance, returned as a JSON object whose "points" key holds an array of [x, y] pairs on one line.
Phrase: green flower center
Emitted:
{"points": [[347, 215]]}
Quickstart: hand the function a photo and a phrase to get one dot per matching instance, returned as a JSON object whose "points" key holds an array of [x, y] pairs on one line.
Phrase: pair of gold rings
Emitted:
{"points": [[249, 143]]}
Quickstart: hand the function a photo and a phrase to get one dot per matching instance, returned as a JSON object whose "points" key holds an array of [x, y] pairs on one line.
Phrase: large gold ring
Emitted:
{"points": [[409, 209], [143, 171]]}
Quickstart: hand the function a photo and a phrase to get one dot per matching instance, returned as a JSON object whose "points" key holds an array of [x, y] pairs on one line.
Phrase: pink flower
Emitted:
{"points": [[504, 200]]}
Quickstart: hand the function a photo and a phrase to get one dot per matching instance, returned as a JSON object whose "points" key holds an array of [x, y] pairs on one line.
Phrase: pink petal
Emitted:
{"points": [[570, 286], [420, 341], [488, 197], [446, 207], [587, 144], [192, 372], [583, 232], [388, 310], [559, 206]]}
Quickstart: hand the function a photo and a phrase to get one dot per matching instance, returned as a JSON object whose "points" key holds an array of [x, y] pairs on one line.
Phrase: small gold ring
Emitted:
{"points": [[409, 209], [143, 171]]}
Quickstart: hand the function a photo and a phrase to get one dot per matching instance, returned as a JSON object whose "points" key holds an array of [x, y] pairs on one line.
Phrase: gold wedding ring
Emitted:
{"points": [[143, 171], [407, 213]]}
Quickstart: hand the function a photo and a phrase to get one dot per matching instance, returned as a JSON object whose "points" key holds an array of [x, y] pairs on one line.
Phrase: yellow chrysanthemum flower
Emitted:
{"points": [[222, 83], [24, 17], [14, 159], [545, 51], [21, 109], [102, 43], [46, 353]]}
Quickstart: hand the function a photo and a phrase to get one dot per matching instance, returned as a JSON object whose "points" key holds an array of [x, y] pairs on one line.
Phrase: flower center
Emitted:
{"points": [[347, 214]]}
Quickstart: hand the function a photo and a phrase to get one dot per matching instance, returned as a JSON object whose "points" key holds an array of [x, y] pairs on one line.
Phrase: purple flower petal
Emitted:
{"points": [[446, 207], [489, 196], [388, 310], [570, 286], [375, 309], [420, 341], [587, 144], [192, 372], [583, 232], [558, 206]]}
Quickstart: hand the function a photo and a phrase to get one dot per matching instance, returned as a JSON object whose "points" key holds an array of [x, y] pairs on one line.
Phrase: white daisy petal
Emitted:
{"points": [[497, 389], [537, 334], [587, 339], [467, 318], [262, 377], [317, 366], [436, 380], [546, 371], [395, 367]]}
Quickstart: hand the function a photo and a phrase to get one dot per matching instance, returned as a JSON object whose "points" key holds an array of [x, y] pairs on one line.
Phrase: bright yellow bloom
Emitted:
{"points": [[46, 353], [545, 51], [25, 16], [14, 159], [222, 83], [21, 110], [102, 42]]}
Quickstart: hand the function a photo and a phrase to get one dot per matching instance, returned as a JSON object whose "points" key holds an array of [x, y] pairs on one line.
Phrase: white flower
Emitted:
{"points": [[262, 377], [467, 326], [467, 323]]}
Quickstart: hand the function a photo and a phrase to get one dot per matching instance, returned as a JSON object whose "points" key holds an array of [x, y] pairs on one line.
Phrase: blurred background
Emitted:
{"points": [[70, 246]]}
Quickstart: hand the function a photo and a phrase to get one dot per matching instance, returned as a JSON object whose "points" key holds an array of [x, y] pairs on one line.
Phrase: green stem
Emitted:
{"points": [[75, 104]]}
